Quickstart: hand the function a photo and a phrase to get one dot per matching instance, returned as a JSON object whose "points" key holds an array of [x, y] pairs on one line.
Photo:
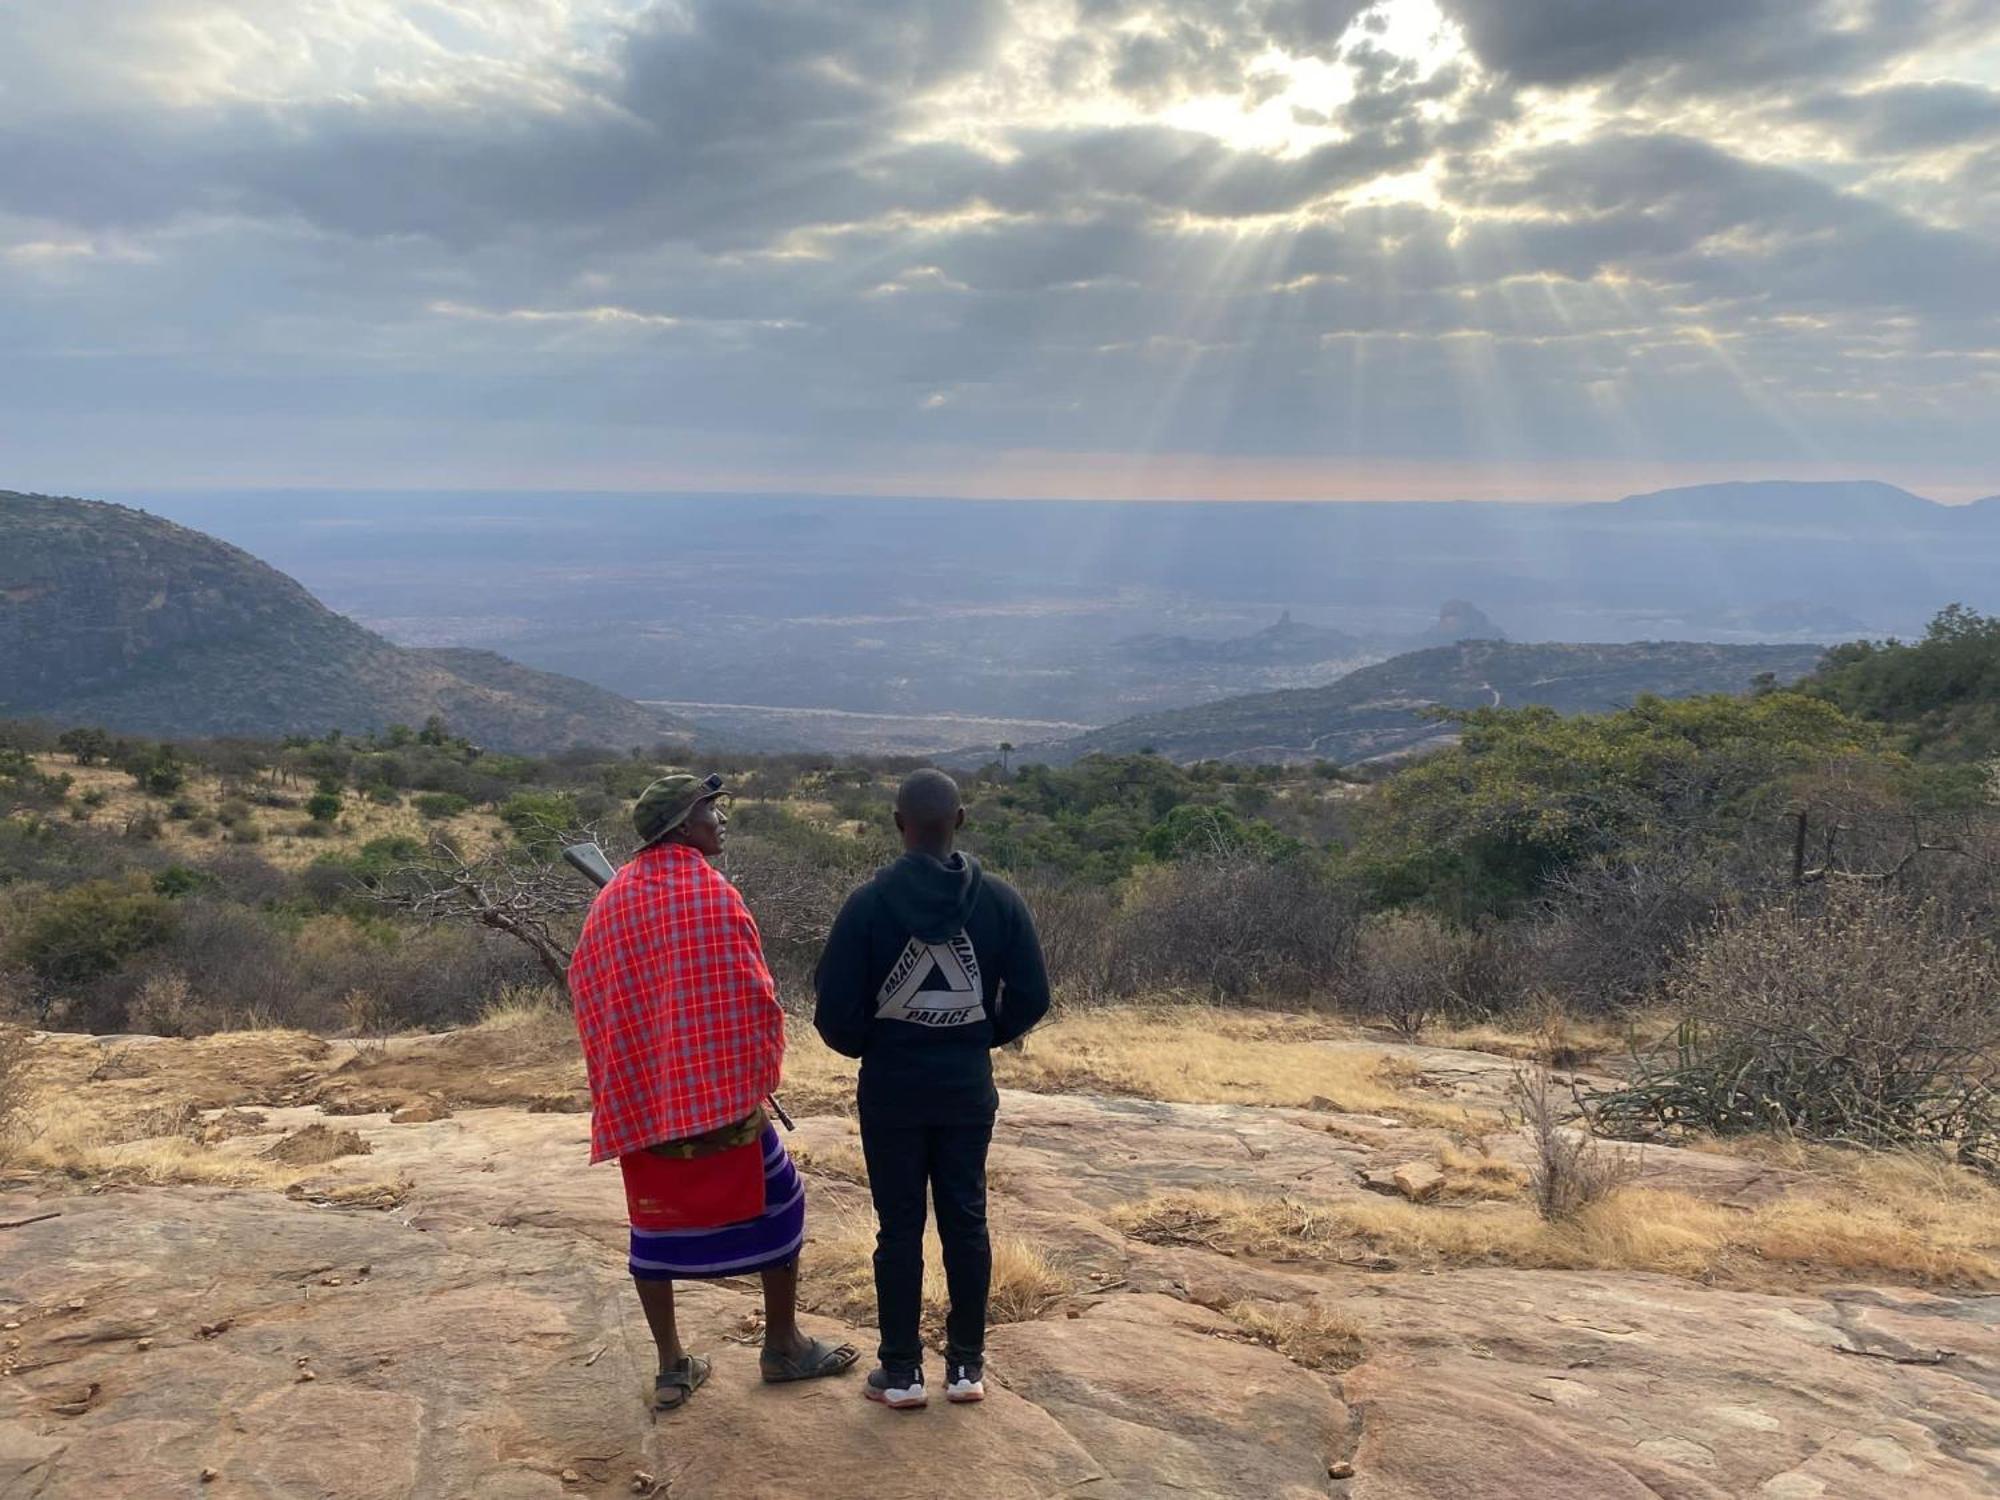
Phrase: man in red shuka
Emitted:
{"points": [[683, 1039]]}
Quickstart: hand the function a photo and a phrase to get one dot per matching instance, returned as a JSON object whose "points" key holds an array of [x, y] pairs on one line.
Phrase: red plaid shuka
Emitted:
{"points": [[678, 1015]]}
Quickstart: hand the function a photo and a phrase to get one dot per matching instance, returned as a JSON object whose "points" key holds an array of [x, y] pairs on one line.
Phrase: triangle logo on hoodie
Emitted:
{"points": [[933, 984]]}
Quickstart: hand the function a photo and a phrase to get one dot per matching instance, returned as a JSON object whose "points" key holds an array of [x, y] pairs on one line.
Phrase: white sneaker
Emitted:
{"points": [[901, 1389], [965, 1383]]}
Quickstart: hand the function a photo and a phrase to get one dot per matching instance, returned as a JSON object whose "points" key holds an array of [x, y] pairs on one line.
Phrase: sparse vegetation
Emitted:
{"points": [[1847, 1015], [1570, 1172]]}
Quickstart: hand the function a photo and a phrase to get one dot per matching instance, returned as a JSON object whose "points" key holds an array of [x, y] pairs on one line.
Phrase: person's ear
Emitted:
{"points": [[959, 821], [899, 819]]}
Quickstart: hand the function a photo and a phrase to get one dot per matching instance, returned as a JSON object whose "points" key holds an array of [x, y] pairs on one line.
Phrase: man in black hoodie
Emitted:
{"points": [[930, 966]]}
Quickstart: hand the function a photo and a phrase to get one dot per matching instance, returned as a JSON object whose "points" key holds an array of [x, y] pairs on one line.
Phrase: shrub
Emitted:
{"points": [[323, 806], [1411, 968], [1570, 1171], [1843, 1014], [1077, 925], [80, 934], [1235, 928], [165, 1006], [540, 817], [160, 774], [88, 746], [439, 805]]}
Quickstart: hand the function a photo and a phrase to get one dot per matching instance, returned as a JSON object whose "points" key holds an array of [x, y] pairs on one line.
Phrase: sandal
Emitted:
{"points": [[672, 1388], [817, 1359]]}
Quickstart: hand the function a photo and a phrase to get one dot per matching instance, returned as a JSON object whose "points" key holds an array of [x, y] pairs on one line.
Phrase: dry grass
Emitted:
{"points": [[1551, 1037], [818, 1080], [1308, 1334], [1181, 1054], [1477, 1177], [153, 1151], [842, 1161], [1195, 1055], [18, 1087], [839, 1277], [536, 1015], [1903, 1219]]}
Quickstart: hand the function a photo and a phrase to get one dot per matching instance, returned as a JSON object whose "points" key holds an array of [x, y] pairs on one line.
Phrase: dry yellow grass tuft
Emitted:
{"points": [[1195, 1055], [842, 1161], [1918, 1221], [1475, 1176], [1558, 1041], [1307, 1334], [61, 1138], [839, 1277]]}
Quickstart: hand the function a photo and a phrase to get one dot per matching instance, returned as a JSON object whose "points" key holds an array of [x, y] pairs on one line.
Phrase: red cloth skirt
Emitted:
{"points": [[706, 1192]]}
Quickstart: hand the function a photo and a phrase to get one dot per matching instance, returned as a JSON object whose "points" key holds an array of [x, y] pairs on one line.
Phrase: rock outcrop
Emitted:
{"points": [[479, 1339]]}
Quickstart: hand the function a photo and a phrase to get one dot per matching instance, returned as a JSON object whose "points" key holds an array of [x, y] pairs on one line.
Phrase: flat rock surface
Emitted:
{"points": [[480, 1339]]}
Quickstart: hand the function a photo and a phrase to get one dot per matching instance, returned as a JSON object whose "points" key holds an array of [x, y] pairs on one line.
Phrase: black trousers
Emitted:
{"points": [[949, 1160]]}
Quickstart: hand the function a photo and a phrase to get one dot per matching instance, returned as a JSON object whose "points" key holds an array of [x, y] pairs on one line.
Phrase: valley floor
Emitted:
{"points": [[268, 1265]]}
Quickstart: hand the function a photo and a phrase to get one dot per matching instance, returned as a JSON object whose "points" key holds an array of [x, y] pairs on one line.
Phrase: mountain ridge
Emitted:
{"points": [[112, 615], [1377, 710]]}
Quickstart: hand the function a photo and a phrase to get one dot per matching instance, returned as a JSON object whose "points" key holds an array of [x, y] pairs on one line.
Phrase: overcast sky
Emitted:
{"points": [[1539, 248]]}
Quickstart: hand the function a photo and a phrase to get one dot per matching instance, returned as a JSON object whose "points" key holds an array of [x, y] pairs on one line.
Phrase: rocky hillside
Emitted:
{"points": [[112, 616], [1378, 710]]}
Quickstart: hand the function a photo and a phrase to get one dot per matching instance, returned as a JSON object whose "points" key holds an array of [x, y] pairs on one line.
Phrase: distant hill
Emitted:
{"points": [[1460, 620], [112, 616], [1781, 502], [1286, 641], [1377, 710]]}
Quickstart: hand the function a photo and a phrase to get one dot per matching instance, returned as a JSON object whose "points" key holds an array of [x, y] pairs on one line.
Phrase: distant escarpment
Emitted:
{"points": [[112, 616], [1379, 710]]}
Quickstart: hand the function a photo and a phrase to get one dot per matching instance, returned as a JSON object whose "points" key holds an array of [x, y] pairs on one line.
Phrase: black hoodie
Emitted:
{"points": [[930, 965]]}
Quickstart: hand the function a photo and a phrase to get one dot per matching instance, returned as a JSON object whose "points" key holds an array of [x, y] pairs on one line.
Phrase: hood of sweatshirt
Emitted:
{"points": [[930, 896]]}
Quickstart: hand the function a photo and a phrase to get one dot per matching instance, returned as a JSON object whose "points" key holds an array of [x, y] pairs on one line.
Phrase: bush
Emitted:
{"points": [[1235, 928], [1411, 968], [87, 931], [540, 817], [323, 806], [439, 805], [165, 1006], [1844, 1014], [1570, 1171], [160, 774], [1077, 925]]}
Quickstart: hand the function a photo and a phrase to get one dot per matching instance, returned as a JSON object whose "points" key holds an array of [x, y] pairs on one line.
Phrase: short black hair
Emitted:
{"points": [[928, 798]]}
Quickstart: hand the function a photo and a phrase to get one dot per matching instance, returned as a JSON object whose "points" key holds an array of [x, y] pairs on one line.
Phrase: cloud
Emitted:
{"points": [[1698, 45], [1251, 227]]}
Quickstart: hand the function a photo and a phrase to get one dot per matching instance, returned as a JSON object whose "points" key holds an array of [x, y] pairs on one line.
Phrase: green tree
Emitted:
{"points": [[1527, 793], [87, 745], [323, 806], [88, 930], [160, 774]]}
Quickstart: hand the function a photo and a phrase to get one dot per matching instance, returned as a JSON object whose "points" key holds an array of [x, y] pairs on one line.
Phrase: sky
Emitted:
{"points": [[1534, 249]]}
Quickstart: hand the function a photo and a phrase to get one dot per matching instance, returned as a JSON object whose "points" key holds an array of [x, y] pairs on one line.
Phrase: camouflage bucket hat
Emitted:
{"points": [[665, 805]]}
